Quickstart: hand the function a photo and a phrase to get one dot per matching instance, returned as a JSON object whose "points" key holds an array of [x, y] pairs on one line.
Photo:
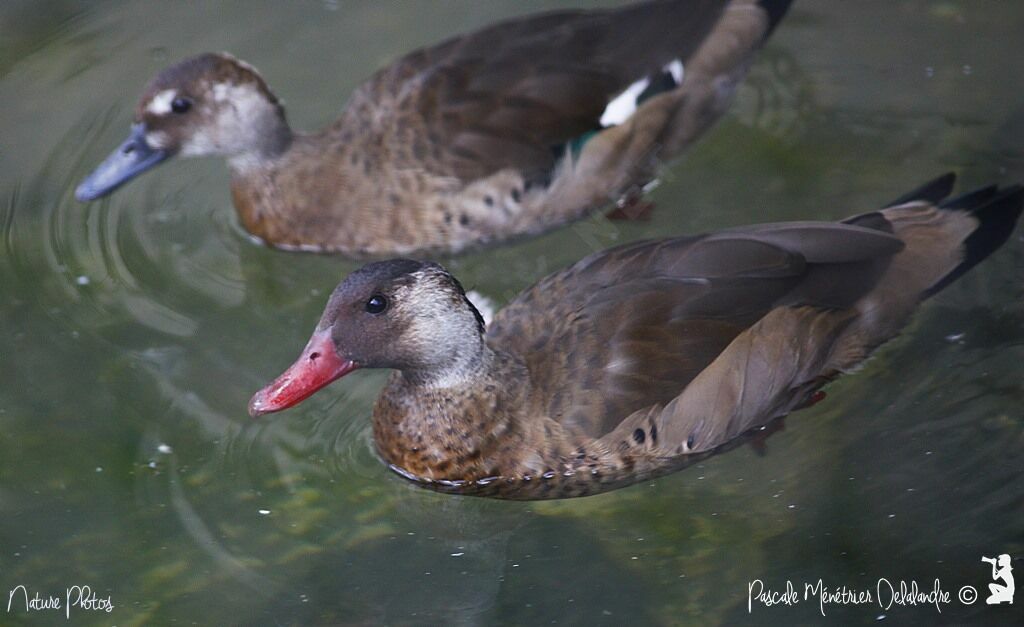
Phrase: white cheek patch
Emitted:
{"points": [[242, 96], [161, 103], [198, 144], [239, 104], [222, 92], [433, 305], [230, 129]]}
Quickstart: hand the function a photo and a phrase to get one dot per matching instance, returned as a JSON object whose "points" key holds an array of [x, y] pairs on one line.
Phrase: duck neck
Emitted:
{"points": [[450, 425], [266, 206], [275, 137], [469, 362]]}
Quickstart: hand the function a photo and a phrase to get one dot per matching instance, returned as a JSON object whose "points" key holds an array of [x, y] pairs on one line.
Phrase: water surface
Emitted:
{"points": [[136, 328]]}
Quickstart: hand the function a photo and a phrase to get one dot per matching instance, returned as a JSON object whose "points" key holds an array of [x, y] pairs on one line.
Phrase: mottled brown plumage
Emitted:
{"points": [[471, 141], [639, 360]]}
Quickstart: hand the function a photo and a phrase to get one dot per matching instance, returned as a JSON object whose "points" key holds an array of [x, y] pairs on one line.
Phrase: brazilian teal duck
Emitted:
{"points": [[639, 360], [508, 131]]}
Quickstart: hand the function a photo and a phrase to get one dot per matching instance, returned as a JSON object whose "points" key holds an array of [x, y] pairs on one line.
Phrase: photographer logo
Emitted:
{"points": [[1001, 572]]}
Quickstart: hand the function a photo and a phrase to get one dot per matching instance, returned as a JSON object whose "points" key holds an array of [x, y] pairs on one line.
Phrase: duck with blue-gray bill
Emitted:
{"points": [[505, 132]]}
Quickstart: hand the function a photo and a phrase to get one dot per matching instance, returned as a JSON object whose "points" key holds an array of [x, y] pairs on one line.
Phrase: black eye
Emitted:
{"points": [[181, 105], [377, 304]]}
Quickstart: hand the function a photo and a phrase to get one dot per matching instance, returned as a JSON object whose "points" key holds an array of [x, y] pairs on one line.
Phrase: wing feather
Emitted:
{"points": [[631, 327]]}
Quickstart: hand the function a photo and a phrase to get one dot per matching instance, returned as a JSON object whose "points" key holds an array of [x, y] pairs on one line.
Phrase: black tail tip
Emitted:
{"points": [[997, 211], [776, 10], [934, 191]]}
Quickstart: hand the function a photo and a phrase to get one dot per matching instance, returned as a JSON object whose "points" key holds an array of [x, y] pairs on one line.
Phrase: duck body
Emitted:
{"points": [[639, 360], [509, 131]]}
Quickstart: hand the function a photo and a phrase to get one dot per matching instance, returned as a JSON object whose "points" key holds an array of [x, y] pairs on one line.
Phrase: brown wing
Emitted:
{"points": [[774, 365], [631, 327], [505, 96]]}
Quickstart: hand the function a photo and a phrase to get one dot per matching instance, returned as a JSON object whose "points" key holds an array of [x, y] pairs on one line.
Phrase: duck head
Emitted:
{"points": [[407, 315], [211, 104]]}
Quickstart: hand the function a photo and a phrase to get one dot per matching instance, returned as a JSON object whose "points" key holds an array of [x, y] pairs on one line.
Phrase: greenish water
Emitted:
{"points": [[135, 330]]}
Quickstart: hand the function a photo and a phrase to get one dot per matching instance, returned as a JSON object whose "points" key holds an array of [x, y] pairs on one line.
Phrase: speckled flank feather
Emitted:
{"points": [[464, 143], [640, 360]]}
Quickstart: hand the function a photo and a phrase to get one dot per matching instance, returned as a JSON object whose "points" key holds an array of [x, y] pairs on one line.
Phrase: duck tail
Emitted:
{"points": [[955, 233], [943, 238], [996, 211]]}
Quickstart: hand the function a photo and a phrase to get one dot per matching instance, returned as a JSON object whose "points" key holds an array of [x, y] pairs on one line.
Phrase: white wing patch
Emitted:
{"points": [[624, 105], [675, 68], [161, 103]]}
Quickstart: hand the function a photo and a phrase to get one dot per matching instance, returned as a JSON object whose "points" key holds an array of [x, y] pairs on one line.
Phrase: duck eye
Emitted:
{"points": [[377, 304], [181, 105]]}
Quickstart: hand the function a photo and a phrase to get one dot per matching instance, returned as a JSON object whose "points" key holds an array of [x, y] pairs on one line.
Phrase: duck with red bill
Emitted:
{"points": [[638, 360]]}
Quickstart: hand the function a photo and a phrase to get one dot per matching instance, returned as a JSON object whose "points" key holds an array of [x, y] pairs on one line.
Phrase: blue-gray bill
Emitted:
{"points": [[131, 158]]}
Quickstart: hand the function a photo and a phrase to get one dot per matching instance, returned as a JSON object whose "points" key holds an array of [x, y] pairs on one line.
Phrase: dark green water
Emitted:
{"points": [[134, 331]]}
